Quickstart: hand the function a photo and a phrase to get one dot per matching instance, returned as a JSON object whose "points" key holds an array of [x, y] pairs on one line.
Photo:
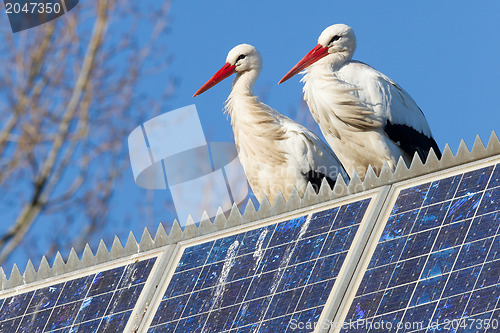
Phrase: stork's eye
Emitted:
{"points": [[334, 38], [242, 56]]}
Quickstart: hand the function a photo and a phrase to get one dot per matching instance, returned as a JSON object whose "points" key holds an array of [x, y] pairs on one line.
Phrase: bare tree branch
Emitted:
{"points": [[68, 99]]}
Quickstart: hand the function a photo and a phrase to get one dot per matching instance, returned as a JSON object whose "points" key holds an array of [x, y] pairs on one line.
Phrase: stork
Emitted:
{"points": [[366, 117], [276, 152]]}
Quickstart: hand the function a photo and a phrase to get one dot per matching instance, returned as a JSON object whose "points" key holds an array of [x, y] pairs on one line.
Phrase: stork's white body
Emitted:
{"points": [[351, 104], [366, 118], [276, 153]]}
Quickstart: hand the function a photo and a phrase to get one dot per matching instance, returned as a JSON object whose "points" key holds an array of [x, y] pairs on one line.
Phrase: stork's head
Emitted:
{"points": [[242, 58], [336, 43]]}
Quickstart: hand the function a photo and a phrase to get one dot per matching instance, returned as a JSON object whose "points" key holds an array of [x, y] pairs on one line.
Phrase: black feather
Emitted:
{"points": [[411, 140], [315, 178]]}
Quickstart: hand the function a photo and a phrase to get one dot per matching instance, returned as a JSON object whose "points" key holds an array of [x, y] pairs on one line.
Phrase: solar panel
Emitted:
{"points": [[260, 279], [436, 267], [102, 300]]}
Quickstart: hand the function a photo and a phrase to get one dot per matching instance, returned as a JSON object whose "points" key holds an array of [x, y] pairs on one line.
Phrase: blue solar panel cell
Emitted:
{"points": [[103, 300], [410, 198], [495, 178], [75, 289], [15, 306], [376, 279], [396, 298], [491, 201], [115, 323], [442, 190], [10, 325], [45, 298], [430, 217], [262, 278], [89, 326], [34, 322], [483, 300], [463, 208], [398, 225], [93, 307], [428, 290], [474, 181], [439, 263], [440, 248], [483, 225], [389, 252]]}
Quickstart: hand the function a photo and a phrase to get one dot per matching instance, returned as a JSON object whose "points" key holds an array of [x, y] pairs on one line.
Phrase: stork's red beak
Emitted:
{"points": [[221, 74], [318, 52]]}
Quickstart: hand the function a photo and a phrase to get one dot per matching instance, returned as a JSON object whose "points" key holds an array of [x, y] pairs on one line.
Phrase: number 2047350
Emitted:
{"points": [[33, 8]]}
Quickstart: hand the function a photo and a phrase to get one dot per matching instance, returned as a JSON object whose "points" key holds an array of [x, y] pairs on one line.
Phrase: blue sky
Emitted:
{"points": [[445, 54]]}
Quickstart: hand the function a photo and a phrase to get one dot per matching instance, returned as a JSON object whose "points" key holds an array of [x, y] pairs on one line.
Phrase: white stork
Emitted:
{"points": [[276, 152], [366, 117]]}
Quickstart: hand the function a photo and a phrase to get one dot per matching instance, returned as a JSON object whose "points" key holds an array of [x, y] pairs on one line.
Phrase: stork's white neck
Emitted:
{"points": [[244, 82], [256, 126], [331, 62]]}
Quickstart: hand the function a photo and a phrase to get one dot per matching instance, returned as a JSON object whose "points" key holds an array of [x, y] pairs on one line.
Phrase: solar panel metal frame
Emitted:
{"points": [[378, 228], [377, 196]]}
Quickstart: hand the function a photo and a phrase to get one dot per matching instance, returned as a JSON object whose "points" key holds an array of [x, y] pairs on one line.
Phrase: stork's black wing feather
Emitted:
{"points": [[411, 140], [315, 178]]}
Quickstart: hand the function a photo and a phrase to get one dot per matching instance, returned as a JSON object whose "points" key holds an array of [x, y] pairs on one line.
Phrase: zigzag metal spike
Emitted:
{"points": [[447, 158], [462, 153], [355, 185], [220, 220], [58, 266], [416, 166], [478, 149], [325, 192], [102, 254], [385, 174], [147, 242], [401, 171], [310, 196], [279, 206], [294, 200], [493, 144], [190, 230], [205, 217], [88, 258], [73, 263], [3, 279], [250, 213], [44, 269], [160, 237], [264, 208], [432, 162], [340, 187], [175, 233], [15, 277], [206, 226], [117, 248], [131, 247], [371, 180], [29, 272], [234, 218]]}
